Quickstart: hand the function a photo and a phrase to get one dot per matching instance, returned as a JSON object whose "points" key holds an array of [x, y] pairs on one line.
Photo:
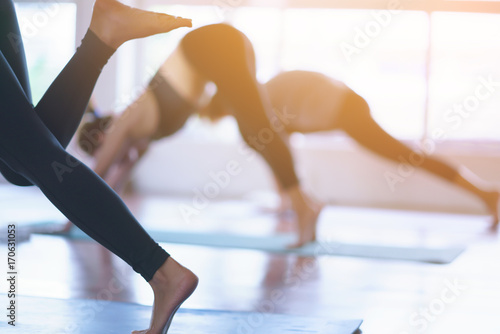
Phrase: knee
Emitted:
{"points": [[13, 177], [16, 179], [25, 166]]}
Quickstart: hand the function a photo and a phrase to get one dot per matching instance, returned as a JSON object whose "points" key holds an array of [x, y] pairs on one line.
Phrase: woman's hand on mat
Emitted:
{"points": [[115, 23], [307, 212]]}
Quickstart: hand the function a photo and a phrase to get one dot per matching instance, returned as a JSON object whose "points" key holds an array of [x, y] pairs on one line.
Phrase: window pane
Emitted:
{"points": [[48, 31], [466, 49], [387, 69], [266, 36]]}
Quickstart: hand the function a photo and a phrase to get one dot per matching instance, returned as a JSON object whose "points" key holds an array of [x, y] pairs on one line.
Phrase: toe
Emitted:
{"points": [[296, 245]]}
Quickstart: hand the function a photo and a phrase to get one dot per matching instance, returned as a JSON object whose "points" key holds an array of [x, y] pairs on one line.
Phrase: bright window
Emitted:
{"points": [[466, 50], [389, 73], [383, 56], [48, 31], [383, 62]]}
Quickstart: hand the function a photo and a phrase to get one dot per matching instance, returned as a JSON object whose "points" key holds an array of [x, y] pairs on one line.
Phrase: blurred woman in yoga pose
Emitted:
{"points": [[215, 53], [314, 102], [33, 141]]}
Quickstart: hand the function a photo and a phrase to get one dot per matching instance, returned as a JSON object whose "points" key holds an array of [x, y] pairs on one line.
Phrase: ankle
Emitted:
{"points": [[102, 22], [299, 200], [295, 195], [163, 274], [105, 35], [171, 272]]}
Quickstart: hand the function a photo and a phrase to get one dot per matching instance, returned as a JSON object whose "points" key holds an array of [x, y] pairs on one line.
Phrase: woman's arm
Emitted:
{"points": [[120, 173], [128, 136], [116, 145], [265, 135], [262, 133]]}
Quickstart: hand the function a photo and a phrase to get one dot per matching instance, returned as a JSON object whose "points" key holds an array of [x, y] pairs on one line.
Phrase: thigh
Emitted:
{"points": [[355, 119], [225, 56], [220, 52], [11, 45], [23, 136], [13, 97]]}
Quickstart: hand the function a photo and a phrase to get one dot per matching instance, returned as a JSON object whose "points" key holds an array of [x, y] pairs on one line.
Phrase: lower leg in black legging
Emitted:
{"points": [[356, 121], [89, 203], [63, 104]]}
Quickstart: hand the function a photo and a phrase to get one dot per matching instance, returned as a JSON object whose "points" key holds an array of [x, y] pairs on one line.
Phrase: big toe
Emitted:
{"points": [[170, 22]]}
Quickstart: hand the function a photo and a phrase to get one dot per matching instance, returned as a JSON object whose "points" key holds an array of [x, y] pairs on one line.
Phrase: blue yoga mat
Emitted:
{"points": [[52, 316], [278, 244], [34, 214]]}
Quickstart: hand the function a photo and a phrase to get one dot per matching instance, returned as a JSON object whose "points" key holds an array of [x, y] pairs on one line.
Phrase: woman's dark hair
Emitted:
{"points": [[92, 131]]}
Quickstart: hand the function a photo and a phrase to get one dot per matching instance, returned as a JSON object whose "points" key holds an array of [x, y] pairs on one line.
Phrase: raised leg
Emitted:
{"points": [[63, 105]]}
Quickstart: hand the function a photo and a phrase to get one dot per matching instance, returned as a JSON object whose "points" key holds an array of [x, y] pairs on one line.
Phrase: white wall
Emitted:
{"points": [[340, 173]]}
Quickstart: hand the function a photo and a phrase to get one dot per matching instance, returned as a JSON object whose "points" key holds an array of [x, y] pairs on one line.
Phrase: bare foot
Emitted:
{"points": [[469, 181], [491, 201], [307, 213], [115, 23], [307, 222], [172, 284]]}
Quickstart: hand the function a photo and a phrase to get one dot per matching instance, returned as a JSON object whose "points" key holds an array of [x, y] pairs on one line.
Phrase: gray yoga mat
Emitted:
{"points": [[278, 244], [78, 316]]}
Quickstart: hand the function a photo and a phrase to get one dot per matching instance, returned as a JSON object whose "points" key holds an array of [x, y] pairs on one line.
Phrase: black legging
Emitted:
{"points": [[355, 120], [32, 141], [225, 56]]}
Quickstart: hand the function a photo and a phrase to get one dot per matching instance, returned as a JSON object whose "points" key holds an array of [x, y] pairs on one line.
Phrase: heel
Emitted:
{"points": [[167, 325]]}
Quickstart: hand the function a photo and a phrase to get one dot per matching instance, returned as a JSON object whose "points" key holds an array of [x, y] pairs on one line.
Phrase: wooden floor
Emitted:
{"points": [[393, 297]]}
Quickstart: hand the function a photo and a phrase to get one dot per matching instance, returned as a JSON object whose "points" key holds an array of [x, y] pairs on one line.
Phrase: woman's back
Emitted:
{"points": [[312, 98]]}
